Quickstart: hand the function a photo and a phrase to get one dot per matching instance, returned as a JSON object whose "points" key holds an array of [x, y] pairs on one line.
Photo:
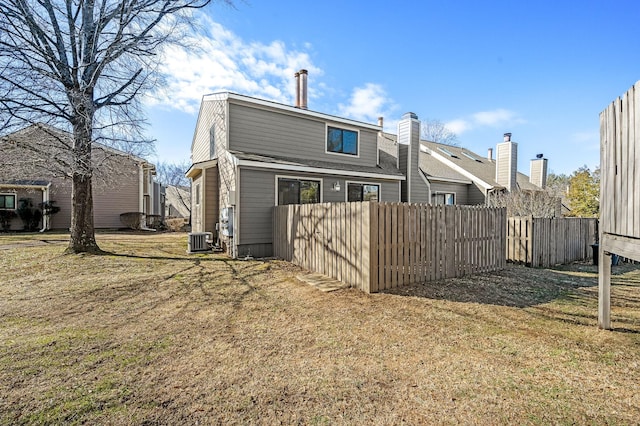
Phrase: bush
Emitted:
{"points": [[6, 216], [154, 221], [176, 224], [132, 220], [49, 208], [29, 215]]}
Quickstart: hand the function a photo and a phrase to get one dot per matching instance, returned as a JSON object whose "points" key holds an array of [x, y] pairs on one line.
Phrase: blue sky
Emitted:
{"points": [[541, 70]]}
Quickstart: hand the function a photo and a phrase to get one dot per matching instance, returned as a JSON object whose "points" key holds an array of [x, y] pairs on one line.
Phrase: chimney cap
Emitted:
{"points": [[409, 115], [538, 156], [507, 137], [303, 71]]}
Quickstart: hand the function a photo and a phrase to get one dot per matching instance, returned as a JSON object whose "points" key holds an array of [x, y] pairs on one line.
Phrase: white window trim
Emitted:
{"points": [[298, 178], [455, 197], [15, 200], [346, 188], [342, 154]]}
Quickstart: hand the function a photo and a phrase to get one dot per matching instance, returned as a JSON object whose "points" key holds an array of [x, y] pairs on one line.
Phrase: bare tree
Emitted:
{"points": [[172, 173], [81, 66], [437, 131], [527, 203], [178, 192]]}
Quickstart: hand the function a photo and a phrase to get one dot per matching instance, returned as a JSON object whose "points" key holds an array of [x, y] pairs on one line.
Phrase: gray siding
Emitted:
{"points": [[258, 189], [109, 203], [60, 192], [212, 114], [460, 189], [476, 195], [261, 131]]}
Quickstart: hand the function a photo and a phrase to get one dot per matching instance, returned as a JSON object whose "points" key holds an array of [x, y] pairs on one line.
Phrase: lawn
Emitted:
{"points": [[148, 334]]}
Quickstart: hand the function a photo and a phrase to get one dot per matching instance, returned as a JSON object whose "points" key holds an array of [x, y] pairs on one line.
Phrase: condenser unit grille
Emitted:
{"points": [[198, 242]]}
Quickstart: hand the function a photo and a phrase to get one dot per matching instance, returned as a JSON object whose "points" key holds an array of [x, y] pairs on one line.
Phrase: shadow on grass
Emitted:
{"points": [[515, 286]]}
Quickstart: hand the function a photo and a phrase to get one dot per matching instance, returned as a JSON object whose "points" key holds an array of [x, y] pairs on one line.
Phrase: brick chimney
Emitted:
{"points": [[507, 163]]}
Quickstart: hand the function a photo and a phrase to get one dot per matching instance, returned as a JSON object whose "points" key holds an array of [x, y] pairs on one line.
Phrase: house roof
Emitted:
{"points": [[24, 183], [313, 166], [179, 198], [461, 160], [28, 133], [451, 163]]}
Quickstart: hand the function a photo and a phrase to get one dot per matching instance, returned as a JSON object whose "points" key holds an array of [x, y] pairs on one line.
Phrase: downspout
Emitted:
{"points": [[45, 199], [140, 188], [143, 221]]}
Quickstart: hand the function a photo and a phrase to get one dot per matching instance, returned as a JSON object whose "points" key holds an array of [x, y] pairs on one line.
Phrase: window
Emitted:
{"points": [[298, 191], [7, 201], [197, 194], [342, 141], [363, 192], [444, 198]]}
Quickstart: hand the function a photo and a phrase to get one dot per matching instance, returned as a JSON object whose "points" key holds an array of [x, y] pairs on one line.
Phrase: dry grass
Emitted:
{"points": [[151, 335]]}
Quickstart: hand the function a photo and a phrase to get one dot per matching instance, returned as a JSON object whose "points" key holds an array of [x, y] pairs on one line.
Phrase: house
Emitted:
{"points": [[454, 175], [36, 164], [249, 155], [177, 201]]}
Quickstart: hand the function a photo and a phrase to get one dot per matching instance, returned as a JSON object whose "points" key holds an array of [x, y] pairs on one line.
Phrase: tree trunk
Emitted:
{"points": [[82, 239]]}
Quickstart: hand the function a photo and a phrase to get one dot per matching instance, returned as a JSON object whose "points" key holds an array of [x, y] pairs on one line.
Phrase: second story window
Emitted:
{"points": [[342, 141]]}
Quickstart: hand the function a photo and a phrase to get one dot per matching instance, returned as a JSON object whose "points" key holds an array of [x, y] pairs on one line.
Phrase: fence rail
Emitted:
{"points": [[542, 242], [380, 246]]}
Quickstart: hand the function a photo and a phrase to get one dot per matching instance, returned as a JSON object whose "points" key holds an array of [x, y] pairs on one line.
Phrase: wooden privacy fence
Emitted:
{"points": [[543, 242], [378, 246]]}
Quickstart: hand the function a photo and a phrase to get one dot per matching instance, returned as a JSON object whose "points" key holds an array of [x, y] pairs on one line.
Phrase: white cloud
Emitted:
{"points": [[367, 103], [495, 118], [220, 60], [457, 126]]}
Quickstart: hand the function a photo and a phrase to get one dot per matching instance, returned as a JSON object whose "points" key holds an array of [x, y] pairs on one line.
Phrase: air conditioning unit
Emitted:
{"points": [[198, 242]]}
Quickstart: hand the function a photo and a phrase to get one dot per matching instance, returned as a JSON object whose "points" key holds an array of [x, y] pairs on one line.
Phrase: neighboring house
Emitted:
{"points": [[249, 155], [454, 175], [177, 201], [121, 182]]}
